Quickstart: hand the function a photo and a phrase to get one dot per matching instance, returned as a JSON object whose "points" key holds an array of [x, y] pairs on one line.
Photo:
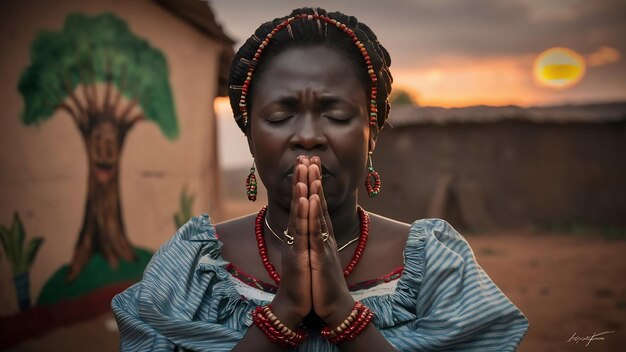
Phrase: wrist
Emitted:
{"points": [[286, 315], [275, 330], [340, 313], [354, 324]]}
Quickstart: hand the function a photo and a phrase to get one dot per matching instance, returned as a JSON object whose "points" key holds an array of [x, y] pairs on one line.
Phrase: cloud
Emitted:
{"points": [[424, 31], [464, 52], [603, 56], [420, 32]]}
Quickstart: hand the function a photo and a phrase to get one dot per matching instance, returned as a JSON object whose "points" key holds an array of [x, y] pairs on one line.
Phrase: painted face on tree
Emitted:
{"points": [[104, 151], [309, 101]]}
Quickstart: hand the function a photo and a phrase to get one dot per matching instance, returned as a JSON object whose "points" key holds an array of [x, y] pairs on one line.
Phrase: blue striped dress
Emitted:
{"points": [[443, 301]]}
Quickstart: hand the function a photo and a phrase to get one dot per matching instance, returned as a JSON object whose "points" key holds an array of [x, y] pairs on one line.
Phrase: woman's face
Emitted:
{"points": [[309, 101]]}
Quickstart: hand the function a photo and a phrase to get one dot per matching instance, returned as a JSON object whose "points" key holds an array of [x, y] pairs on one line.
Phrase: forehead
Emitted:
{"points": [[313, 68]]}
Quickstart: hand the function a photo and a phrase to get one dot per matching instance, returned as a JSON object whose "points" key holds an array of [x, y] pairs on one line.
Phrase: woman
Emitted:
{"points": [[312, 271]]}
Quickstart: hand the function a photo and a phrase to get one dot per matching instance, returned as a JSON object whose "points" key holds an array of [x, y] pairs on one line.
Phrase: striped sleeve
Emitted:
{"points": [[170, 308], [458, 307]]}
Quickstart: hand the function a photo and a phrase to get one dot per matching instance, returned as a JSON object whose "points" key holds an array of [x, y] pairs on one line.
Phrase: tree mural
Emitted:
{"points": [[107, 80]]}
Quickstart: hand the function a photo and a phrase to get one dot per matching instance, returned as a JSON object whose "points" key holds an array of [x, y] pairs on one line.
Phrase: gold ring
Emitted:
{"points": [[325, 236], [289, 238]]}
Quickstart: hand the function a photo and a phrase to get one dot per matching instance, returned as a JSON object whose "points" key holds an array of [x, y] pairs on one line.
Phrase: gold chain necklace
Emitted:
{"points": [[280, 239]]}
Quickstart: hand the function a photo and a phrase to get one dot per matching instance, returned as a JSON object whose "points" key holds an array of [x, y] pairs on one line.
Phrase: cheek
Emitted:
{"points": [[265, 140], [267, 147], [352, 153]]}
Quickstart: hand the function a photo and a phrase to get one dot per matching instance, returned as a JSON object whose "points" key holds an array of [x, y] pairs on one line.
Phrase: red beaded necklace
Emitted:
{"points": [[356, 257]]}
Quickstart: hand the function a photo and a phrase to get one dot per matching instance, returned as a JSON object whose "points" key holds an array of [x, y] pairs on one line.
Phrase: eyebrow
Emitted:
{"points": [[288, 100], [331, 101], [325, 101]]}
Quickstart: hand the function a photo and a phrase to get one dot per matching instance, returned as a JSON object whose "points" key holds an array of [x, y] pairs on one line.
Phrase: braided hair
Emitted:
{"points": [[304, 27]]}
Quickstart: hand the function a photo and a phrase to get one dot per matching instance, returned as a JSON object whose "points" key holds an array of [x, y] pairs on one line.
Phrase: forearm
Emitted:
{"points": [[369, 339], [255, 340]]}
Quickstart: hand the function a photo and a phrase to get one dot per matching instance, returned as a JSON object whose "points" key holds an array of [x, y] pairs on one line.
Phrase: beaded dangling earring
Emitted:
{"points": [[372, 192], [251, 184]]}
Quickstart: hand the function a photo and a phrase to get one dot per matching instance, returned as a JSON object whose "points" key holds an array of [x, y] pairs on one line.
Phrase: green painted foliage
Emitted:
{"points": [[13, 239], [96, 274], [185, 212], [80, 54]]}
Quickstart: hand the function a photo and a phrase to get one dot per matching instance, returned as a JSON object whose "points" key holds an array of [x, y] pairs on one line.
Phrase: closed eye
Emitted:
{"points": [[280, 110], [341, 119], [276, 119], [336, 109]]}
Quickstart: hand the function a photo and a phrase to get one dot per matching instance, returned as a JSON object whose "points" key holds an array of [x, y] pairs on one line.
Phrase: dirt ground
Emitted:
{"points": [[567, 285]]}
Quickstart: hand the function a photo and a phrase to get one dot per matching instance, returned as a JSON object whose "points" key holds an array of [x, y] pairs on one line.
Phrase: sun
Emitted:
{"points": [[558, 68]]}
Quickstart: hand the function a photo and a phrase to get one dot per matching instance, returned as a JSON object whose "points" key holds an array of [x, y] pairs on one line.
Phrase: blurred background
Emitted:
{"points": [[508, 120]]}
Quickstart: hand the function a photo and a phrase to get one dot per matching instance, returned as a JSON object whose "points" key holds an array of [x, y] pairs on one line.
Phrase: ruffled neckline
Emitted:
{"points": [[269, 288], [401, 302]]}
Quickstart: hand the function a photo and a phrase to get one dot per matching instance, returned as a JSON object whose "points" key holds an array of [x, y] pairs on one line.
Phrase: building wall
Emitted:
{"points": [[44, 167], [505, 174]]}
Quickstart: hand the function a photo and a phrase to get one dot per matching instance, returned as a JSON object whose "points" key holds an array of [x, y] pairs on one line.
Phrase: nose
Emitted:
{"points": [[309, 134]]}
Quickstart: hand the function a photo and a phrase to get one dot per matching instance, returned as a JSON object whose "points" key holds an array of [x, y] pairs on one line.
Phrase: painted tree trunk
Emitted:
{"points": [[103, 227]]}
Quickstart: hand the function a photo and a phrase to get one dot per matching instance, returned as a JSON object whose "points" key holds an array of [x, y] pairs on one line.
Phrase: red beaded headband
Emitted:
{"points": [[343, 27]]}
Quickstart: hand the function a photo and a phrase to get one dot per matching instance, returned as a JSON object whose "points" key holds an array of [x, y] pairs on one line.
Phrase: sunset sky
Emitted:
{"points": [[458, 53], [461, 53]]}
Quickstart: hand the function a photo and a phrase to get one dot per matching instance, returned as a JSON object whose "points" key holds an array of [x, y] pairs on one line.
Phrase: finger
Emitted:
{"points": [[316, 242], [314, 173], [302, 164], [314, 224], [317, 161], [315, 168], [301, 241], [298, 189], [304, 160], [302, 175], [316, 188]]}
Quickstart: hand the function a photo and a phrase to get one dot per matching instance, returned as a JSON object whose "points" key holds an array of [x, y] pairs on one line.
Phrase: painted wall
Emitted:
{"points": [[44, 170]]}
